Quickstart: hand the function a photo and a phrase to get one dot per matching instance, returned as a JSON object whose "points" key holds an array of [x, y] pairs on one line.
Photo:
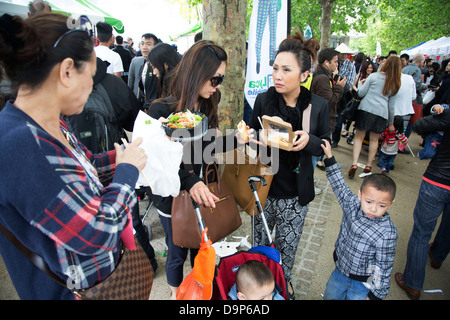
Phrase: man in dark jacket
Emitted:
{"points": [[433, 199], [125, 55], [323, 84], [125, 104]]}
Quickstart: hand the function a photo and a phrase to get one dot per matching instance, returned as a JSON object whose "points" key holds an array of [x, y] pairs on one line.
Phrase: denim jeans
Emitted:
{"points": [[340, 287], [406, 126], [431, 202], [386, 161], [176, 255]]}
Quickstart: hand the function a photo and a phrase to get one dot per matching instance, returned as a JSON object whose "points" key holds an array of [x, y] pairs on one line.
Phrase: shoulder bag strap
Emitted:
{"points": [[33, 257], [306, 118]]}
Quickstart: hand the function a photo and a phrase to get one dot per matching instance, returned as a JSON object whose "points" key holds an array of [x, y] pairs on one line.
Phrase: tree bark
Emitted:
{"points": [[325, 22], [224, 22]]}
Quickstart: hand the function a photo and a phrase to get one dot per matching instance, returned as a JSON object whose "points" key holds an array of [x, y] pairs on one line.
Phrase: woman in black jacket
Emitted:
{"points": [[292, 187], [194, 86]]}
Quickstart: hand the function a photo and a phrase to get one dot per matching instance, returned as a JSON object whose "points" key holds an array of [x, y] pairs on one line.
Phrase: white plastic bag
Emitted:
{"points": [[164, 157], [428, 97]]}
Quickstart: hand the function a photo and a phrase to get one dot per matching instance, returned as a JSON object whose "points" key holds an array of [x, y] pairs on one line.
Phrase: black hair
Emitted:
{"points": [[405, 56], [381, 182], [119, 40], [104, 31], [304, 51], [30, 48], [151, 36], [160, 55], [252, 272], [327, 54], [398, 124]]}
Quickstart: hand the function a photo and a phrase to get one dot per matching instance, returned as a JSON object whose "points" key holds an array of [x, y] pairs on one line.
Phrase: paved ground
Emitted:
{"points": [[314, 262]]}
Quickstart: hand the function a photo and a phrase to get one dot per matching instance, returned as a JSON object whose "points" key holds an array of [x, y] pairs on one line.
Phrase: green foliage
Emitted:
{"points": [[397, 24], [347, 15]]}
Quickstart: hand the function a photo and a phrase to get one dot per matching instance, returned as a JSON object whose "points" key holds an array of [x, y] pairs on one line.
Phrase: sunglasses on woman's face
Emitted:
{"points": [[216, 81]]}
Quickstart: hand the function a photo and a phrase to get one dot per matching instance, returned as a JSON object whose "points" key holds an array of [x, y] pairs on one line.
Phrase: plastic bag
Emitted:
{"points": [[164, 157], [197, 285], [428, 97]]}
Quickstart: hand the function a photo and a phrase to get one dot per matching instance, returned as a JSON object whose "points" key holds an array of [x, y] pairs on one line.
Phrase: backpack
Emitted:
{"points": [[96, 127]]}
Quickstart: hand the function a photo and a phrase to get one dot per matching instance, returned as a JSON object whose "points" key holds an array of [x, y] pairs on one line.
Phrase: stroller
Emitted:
{"points": [[227, 267]]}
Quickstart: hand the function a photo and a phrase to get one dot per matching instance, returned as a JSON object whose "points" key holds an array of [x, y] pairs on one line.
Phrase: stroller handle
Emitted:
{"points": [[200, 220], [254, 179]]}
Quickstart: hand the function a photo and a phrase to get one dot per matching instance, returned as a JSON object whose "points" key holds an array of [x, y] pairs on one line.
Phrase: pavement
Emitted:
{"points": [[314, 262]]}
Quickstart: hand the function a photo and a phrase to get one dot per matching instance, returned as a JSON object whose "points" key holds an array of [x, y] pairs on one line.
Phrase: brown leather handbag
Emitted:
{"points": [[221, 220], [132, 279], [236, 174]]}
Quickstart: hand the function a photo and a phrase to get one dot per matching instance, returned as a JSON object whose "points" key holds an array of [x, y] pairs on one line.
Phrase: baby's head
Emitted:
{"points": [[376, 194], [254, 281]]}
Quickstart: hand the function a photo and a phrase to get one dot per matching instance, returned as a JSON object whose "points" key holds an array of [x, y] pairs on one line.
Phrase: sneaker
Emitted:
{"points": [[383, 171], [317, 191], [364, 174]]}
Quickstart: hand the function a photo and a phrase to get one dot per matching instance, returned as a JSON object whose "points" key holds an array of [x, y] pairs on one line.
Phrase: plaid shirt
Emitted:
{"points": [[365, 248], [55, 207], [347, 69]]}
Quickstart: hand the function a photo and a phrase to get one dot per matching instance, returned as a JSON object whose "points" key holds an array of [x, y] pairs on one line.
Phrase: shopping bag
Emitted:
{"points": [[163, 157], [221, 220], [236, 174]]}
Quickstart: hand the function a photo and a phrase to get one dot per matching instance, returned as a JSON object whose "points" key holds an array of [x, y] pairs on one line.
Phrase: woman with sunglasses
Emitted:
{"points": [[292, 187], [53, 198], [195, 86]]}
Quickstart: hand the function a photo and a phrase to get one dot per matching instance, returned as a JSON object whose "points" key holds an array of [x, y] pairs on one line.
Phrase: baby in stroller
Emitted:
{"points": [[254, 281]]}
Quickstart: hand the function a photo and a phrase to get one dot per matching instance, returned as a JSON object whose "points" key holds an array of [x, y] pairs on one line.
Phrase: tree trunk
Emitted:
{"points": [[224, 22], [325, 22]]}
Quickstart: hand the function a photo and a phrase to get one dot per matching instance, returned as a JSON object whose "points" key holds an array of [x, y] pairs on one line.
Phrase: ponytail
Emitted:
{"points": [[27, 47]]}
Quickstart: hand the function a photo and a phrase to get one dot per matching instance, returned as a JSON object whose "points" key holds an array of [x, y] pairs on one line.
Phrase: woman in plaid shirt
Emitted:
{"points": [[365, 248], [52, 194]]}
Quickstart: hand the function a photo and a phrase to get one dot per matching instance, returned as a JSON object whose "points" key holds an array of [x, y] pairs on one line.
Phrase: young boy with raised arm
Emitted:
{"points": [[365, 247]]}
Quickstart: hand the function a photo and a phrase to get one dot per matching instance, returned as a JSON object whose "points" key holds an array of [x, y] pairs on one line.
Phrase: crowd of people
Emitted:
{"points": [[78, 204]]}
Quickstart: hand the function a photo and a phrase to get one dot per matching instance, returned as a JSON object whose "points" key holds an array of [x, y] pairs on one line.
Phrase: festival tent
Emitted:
{"points": [[74, 8], [436, 49]]}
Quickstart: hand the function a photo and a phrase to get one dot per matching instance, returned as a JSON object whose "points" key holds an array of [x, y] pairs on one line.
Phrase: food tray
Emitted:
{"points": [[187, 134]]}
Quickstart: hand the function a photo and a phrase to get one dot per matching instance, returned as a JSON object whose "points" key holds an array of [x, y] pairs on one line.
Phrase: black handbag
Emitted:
{"points": [[349, 112]]}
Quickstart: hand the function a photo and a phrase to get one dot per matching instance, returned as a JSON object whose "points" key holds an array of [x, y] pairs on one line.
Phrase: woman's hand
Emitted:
{"points": [[263, 137], [132, 154], [251, 137], [201, 194], [300, 141]]}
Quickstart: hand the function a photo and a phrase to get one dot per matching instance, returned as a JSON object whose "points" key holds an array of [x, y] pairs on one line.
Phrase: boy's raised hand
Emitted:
{"points": [[326, 148]]}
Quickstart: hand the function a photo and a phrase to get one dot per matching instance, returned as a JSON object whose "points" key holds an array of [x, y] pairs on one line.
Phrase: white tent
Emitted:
{"points": [[74, 8], [438, 49]]}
